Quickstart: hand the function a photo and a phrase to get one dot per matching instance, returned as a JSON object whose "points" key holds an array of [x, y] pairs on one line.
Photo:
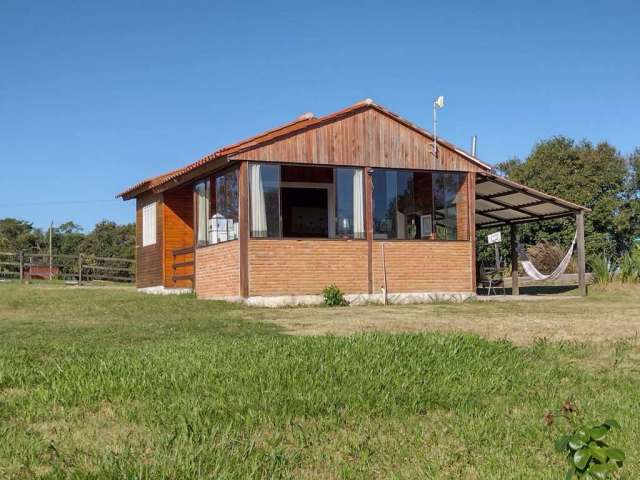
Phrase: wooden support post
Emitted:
{"points": [[21, 261], [243, 187], [515, 287], [80, 269], [582, 276], [368, 216], [471, 195]]}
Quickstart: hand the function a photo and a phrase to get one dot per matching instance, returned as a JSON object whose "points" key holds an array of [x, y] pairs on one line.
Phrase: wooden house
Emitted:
{"points": [[360, 198]]}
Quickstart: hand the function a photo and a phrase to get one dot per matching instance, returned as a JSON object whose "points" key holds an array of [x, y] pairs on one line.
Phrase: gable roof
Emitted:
{"points": [[300, 124]]}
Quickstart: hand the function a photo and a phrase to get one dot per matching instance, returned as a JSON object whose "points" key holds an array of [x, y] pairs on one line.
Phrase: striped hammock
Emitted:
{"points": [[535, 274]]}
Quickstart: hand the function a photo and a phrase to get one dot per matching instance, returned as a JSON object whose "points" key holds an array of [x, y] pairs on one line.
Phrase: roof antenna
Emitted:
{"points": [[437, 103]]}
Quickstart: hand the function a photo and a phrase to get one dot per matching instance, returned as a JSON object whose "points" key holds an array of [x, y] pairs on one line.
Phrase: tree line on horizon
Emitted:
{"points": [[107, 239]]}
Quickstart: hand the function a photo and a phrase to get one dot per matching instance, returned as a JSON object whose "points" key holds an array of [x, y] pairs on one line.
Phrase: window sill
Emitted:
{"points": [[322, 239], [217, 243]]}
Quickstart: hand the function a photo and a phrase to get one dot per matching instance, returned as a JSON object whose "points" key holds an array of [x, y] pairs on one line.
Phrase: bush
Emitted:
{"points": [[546, 257], [630, 266], [602, 270], [585, 448], [333, 296]]}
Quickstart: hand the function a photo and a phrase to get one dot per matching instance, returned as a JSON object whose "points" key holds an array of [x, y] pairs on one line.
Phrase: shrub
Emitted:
{"points": [[546, 257], [587, 453], [333, 296], [602, 270], [630, 266]]}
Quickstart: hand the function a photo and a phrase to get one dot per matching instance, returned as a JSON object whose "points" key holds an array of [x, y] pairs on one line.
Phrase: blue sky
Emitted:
{"points": [[95, 96]]}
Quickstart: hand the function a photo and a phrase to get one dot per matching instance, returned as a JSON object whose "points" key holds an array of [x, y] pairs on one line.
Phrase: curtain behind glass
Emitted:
{"points": [[385, 190], [447, 199], [265, 200], [358, 204], [202, 192]]}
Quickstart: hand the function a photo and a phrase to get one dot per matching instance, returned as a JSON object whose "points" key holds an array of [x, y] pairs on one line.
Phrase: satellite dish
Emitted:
{"points": [[439, 102]]}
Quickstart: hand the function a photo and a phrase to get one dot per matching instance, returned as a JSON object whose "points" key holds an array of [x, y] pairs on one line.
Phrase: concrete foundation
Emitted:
{"points": [[360, 299], [162, 290]]}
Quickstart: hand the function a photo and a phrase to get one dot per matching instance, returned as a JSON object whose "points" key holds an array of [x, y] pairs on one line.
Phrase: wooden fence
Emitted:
{"points": [[79, 268]]}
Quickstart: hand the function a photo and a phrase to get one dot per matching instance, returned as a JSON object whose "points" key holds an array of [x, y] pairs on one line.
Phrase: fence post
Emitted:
{"points": [[80, 269], [21, 261]]}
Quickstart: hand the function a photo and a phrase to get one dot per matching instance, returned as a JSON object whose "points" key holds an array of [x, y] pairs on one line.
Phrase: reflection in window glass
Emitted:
{"points": [[448, 200], [385, 190], [265, 200], [415, 206], [223, 223], [411, 205]]}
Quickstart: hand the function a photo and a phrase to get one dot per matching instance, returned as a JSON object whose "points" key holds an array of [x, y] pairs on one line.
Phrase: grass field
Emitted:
{"points": [[100, 383]]}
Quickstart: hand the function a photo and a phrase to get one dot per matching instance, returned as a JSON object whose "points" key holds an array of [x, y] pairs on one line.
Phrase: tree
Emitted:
{"points": [[108, 239], [67, 237], [598, 177], [20, 235]]}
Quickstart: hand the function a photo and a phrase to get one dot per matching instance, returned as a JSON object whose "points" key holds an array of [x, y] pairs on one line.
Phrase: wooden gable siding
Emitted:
{"points": [[178, 231], [363, 138], [149, 264]]}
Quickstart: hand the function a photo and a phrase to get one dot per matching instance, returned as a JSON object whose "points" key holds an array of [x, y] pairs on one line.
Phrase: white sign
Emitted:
{"points": [[495, 237]]}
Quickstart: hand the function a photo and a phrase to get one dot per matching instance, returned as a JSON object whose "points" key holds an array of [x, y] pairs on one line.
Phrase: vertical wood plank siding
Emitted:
{"points": [[218, 270], [363, 138], [149, 263], [178, 231]]}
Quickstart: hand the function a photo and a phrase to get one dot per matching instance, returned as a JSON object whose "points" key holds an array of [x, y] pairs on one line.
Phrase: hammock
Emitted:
{"points": [[533, 272]]}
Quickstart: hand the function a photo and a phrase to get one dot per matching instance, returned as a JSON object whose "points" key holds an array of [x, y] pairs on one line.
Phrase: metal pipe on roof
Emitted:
{"points": [[474, 144]]}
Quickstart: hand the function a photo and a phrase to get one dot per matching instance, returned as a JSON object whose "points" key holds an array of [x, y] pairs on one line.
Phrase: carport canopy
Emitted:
{"points": [[500, 201]]}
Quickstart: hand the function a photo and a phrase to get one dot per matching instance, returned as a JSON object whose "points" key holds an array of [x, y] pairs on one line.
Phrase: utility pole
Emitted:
{"points": [[50, 252]]}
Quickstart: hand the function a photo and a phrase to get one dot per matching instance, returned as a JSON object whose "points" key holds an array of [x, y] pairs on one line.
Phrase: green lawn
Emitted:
{"points": [[101, 383]]}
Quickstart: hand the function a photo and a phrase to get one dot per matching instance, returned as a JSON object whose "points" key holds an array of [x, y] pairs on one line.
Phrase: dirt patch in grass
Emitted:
{"points": [[606, 315]]}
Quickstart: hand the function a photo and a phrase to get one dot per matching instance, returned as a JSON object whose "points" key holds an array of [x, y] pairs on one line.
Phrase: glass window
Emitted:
{"points": [[349, 188], [415, 205], [450, 206], [385, 189], [411, 205], [223, 222], [265, 200], [217, 208], [306, 202]]}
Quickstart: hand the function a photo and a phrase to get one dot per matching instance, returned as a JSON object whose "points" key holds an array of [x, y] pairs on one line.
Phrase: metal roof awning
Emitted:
{"points": [[500, 201]]}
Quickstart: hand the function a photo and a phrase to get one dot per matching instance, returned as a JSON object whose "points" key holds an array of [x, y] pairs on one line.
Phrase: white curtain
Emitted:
{"points": [[358, 204], [202, 189], [258, 208]]}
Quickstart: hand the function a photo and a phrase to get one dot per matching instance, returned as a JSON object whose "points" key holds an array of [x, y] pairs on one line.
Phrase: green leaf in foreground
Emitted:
{"points": [[602, 470], [615, 454], [581, 458]]}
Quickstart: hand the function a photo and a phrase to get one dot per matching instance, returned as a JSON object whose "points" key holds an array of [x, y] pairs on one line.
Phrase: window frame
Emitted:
{"points": [[331, 200], [434, 236], [150, 224], [210, 180]]}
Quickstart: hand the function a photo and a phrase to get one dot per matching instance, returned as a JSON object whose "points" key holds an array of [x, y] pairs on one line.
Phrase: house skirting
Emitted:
{"points": [[162, 290], [277, 301]]}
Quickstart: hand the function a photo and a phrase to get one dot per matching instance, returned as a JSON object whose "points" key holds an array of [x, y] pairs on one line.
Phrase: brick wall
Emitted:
{"points": [[414, 266], [149, 259], [218, 270], [298, 267]]}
